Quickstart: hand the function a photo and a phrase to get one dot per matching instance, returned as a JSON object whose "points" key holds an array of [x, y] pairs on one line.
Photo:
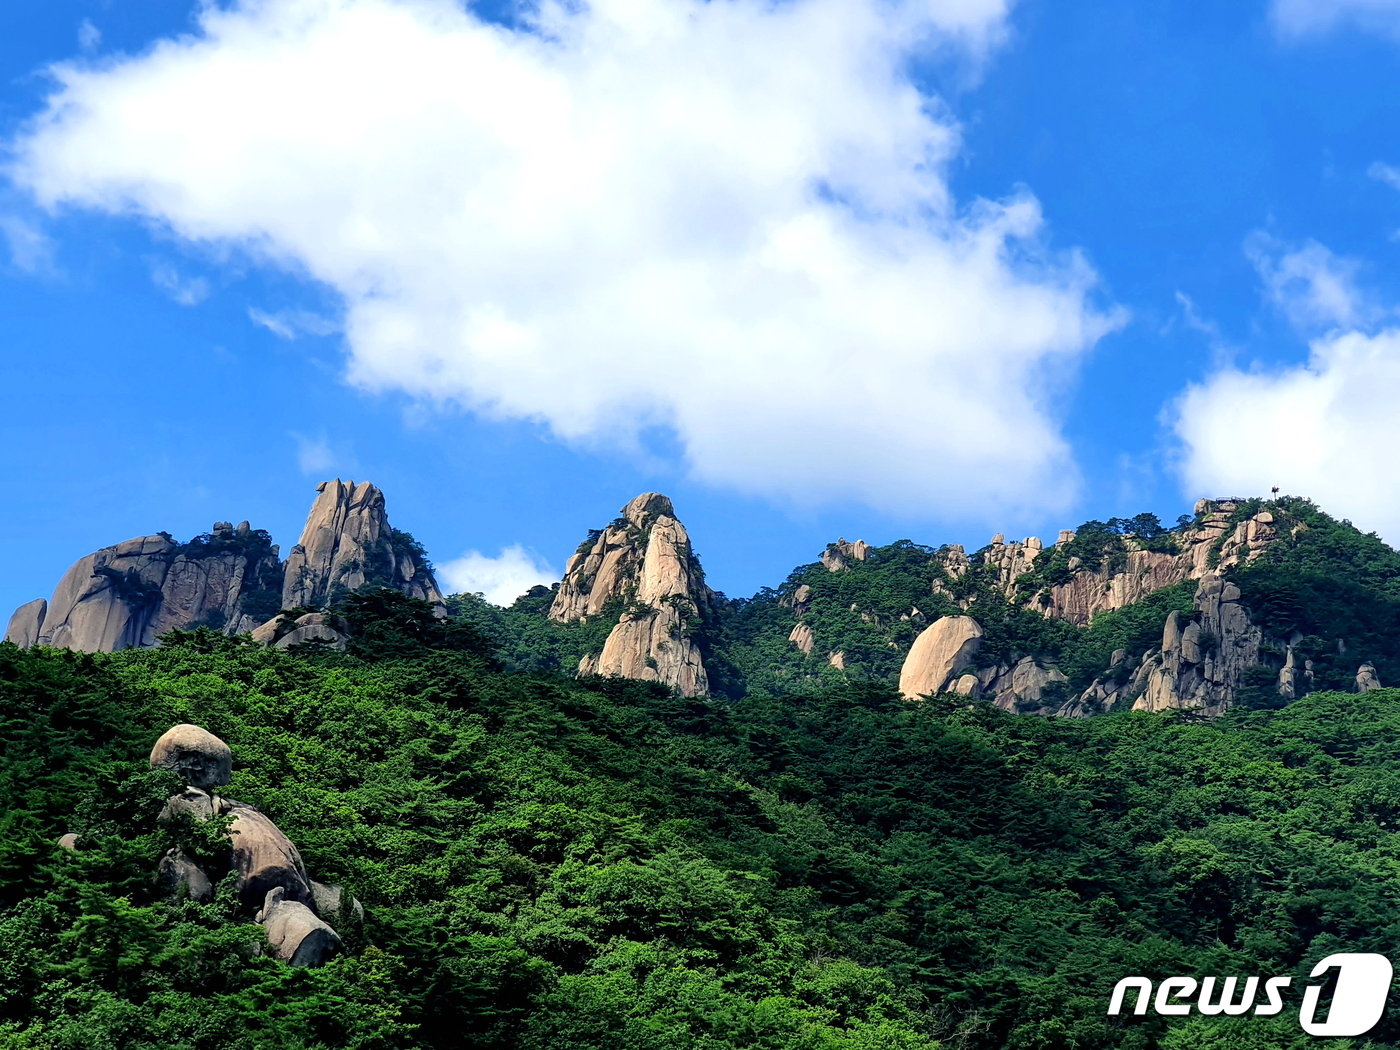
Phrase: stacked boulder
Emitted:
{"points": [[271, 878]]}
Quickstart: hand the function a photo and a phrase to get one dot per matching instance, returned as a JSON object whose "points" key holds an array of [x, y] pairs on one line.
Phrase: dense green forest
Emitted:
{"points": [[560, 864]]}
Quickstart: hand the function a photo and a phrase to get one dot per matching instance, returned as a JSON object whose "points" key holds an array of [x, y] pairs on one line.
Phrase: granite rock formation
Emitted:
{"points": [[803, 638], [1366, 678], [283, 632], [26, 623], [271, 876], [643, 563], [295, 934], [940, 653], [1200, 664], [197, 755], [129, 594], [1210, 544], [841, 553], [1024, 686], [347, 543]]}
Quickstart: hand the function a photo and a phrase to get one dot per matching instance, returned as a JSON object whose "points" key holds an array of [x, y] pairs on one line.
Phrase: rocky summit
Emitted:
{"points": [[130, 593], [1238, 602], [348, 543], [640, 570], [230, 579]]}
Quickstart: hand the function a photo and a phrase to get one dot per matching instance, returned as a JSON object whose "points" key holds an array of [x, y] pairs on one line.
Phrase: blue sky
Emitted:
{"points": [[928, 269]]}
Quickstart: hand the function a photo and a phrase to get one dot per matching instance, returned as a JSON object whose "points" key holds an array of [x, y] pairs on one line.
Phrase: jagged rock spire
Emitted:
{"points": [[347, 543], [644, 560]]}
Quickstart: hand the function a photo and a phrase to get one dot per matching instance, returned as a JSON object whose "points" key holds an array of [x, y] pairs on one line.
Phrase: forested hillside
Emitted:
{"points": [[556, 863]]}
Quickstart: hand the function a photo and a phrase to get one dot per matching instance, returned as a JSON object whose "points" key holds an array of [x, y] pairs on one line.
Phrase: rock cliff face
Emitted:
{"points": [[1010, 560], [1200, 664], [644, 560], [1023, 686], [129, 594], [348, 543], [1212, 544]]}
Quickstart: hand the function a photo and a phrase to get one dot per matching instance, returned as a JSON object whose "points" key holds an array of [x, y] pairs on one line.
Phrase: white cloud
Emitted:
{"points": [[316, 457], [1304, 18], [1327, 429], [1310, 285], [187, 291], [89, 36], [31, 250], [291, 324], [500, 580], [730, 220], [1386, 173]]}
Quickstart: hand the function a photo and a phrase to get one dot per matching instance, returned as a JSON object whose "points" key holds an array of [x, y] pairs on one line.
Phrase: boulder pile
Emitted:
{"points": [[272, 881]]}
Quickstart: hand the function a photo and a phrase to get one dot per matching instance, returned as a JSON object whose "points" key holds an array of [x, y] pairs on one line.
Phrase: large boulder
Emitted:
{"points": [[1366, 678], [294, 933], [200, 805], [179, 876], [943, 649], [27, 623], [335, 905], [196, 754], [264, 858]]}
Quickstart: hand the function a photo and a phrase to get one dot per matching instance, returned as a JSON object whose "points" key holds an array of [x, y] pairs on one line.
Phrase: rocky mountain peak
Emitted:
{"points": [[643, 563], [347, 543], [230, 578], [841, 553], [646, 508], [130, 593]]}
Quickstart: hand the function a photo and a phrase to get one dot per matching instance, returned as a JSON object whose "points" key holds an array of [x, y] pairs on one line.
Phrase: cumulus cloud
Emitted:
{"points": [[729, 223], [1313, 287], [1305, 18], [500, 580], [1326, 429]]}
